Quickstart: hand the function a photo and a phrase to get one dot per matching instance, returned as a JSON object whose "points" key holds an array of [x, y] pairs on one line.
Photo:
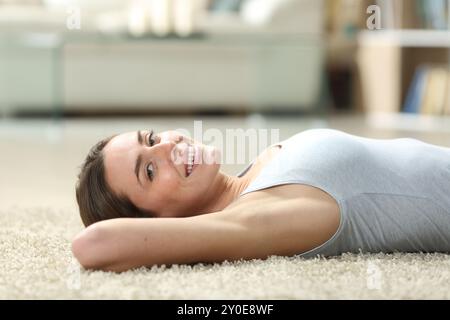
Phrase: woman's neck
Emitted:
{"points": [[225, 190]]}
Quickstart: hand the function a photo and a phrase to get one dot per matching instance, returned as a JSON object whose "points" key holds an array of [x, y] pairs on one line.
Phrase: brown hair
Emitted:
{"points": [[95, 198]]}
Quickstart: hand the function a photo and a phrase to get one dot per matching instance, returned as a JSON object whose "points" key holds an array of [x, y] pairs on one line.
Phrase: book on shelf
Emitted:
{"points": [[416, 90], [429, 91], [433, 13], [447, 98], [414, 14]]}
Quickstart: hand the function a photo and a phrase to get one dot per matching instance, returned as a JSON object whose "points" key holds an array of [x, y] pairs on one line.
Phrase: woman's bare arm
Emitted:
{"points": [[255, 231], [126, 243]]}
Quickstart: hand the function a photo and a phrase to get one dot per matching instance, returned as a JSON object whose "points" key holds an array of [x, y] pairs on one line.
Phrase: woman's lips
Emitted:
{"points": [[195, 159]]}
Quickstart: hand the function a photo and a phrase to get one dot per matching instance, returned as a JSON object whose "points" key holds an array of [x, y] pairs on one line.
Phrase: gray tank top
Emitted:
{"points": [[393, 194]]}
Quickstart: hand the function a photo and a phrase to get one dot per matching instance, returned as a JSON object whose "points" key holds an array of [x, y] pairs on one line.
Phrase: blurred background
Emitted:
{"points": [[72, 72]]}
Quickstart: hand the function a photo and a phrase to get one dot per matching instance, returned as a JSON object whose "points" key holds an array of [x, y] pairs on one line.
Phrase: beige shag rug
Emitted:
{"points": [[36, 263]]}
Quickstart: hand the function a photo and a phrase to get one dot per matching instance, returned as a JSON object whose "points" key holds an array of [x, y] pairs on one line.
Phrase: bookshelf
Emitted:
{"points": [[390, 61], [404, 38], [405, 66]]}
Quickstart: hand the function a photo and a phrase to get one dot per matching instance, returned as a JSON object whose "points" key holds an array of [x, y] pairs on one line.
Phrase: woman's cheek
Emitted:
{"points": [[169, 181]]}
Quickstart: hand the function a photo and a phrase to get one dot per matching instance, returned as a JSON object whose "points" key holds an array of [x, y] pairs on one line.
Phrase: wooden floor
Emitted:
{"points": [[40, 158]]}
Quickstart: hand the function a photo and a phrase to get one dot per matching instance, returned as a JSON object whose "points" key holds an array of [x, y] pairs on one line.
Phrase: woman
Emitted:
{"points": [[320, 192]]}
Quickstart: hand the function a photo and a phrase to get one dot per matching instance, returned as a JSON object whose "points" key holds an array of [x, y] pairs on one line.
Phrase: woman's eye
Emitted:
{"points": [[150, 171]]}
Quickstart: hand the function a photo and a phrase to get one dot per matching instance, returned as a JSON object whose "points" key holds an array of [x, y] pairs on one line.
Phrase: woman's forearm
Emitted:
{"points": [[122, 244]]}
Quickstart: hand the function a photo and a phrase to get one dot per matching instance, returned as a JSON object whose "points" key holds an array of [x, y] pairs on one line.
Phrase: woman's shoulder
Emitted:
{"points": [[261, 160]]}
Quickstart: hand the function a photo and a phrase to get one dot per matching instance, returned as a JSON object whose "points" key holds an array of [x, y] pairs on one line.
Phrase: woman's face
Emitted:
{"points": [[154, 171]]}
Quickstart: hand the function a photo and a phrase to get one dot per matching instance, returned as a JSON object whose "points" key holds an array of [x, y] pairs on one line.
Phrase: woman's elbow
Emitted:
{"points": [[87, 247]]}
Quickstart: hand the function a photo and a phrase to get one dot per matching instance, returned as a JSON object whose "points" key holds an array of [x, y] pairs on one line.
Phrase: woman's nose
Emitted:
{"points": [[169, 146], [163, 148], [171, 136]]}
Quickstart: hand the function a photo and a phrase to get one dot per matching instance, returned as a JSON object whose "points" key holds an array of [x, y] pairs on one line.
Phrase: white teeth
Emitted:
{"points": [[190, 160]]}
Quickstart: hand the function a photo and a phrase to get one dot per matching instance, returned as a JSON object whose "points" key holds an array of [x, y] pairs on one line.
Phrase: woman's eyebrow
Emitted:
{"points": [[139, 137], [139, 158]]}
